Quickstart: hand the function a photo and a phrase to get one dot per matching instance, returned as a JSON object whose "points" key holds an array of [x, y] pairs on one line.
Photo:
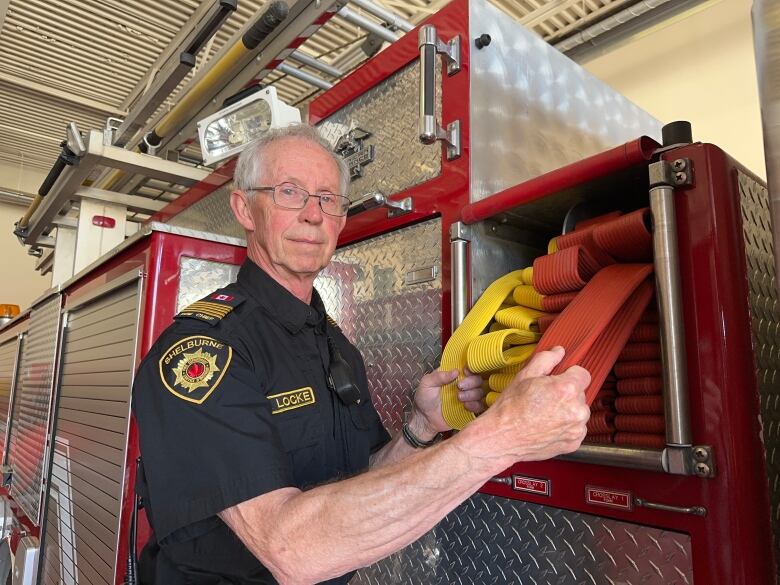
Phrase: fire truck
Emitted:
{"points": [[471, 144]]}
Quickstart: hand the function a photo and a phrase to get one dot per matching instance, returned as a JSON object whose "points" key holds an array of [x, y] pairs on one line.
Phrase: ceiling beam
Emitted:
{"points": [[3, 9], [15, 197], [58, 93]]}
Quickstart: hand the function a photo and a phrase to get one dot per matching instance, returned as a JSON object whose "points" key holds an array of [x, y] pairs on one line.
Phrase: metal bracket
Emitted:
{"points": [[683, 172], [8, 473], [110, 129], [450, 50], [74, 140], [377, 199], [697, 460], [450, 136], [703, 460], [676, 174], [460, 231]]}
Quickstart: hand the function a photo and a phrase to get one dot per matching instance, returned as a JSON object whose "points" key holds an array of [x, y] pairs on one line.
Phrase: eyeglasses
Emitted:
{"points": [[291, 196]]}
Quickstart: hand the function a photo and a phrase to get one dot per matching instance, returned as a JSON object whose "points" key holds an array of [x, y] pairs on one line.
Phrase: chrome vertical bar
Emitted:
{"points": [[459, 290], [667, 276], [427, 45]]}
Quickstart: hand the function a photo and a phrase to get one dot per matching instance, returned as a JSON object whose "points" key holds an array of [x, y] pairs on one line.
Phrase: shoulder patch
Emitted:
{"points": [[332, 322], [212, 308], [193, 367]]}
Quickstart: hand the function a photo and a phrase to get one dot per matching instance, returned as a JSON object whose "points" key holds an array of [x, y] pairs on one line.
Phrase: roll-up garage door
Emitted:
{"points": [[32, 407], [84, 495]]}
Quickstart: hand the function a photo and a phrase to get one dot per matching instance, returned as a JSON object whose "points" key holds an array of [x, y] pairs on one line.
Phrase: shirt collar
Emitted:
{"points": [[280, 304]]}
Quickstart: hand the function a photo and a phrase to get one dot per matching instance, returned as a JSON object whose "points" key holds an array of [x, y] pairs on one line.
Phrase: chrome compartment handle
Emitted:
{"points": [[430, 45]]}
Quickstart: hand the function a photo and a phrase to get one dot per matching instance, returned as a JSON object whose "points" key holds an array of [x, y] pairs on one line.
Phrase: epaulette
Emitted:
{"points": [[332, 322], [212, 308]]}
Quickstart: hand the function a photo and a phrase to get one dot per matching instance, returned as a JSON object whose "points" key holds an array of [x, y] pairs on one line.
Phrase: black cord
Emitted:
{"points": [[131, 577]]}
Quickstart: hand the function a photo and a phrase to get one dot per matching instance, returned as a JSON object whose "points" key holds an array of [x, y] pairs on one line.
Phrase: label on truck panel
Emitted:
{"points": [[609, 498], [532, 485]]}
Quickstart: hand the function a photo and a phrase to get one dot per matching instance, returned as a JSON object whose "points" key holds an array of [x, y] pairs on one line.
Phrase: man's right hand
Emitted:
{"points": [[538, 416]]}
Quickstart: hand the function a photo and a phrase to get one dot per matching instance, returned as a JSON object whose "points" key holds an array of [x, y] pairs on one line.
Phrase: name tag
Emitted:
{"points": [[291, 400]]}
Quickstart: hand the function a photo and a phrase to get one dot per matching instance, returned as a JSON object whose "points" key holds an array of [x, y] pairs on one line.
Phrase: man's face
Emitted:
{"points": [[294, 243]]}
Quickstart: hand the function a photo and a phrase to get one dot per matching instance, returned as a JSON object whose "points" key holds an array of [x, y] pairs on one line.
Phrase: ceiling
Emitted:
{"points": [[83, 62]]}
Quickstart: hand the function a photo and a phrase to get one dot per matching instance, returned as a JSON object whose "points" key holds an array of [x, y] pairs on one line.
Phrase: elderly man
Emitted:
{"points": [[264, 460]]}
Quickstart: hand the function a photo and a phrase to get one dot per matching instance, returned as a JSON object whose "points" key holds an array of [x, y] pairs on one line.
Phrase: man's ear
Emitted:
{"points": [[241, 206]]}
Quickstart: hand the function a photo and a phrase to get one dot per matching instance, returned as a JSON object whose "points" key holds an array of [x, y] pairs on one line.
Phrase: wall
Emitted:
{"points": [[700, 68], [20, 284]]}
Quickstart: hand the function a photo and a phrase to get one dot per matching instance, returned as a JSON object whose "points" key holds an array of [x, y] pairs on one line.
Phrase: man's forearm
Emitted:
{"points": [[338, 527]]}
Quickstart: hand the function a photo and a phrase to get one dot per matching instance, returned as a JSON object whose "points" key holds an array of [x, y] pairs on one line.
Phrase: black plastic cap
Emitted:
{"points": [[187, 59], [153, 139], [482, 41], [270, 19], [678, 132]]}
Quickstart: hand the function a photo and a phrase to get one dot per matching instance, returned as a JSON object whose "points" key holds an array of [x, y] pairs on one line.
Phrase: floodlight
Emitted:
{"points": [[227, 132]]}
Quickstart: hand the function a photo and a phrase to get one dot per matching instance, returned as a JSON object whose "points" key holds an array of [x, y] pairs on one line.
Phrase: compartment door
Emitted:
{"points": [[84, 498], [32, 405]]}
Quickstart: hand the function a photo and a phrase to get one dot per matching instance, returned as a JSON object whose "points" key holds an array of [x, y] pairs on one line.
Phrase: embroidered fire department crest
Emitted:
{"points": [[193, 367]]}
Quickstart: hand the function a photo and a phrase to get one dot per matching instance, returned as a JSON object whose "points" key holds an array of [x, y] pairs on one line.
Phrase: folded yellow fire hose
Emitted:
{"points": [[481, 353]]}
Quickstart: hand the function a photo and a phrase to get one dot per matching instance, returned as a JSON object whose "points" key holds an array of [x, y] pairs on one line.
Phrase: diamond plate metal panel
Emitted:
{"points": [[27, 453], [212, 214], [390, 112], [396, 326], [489, 540], [765, 323], [534, 110], [197, 278]]}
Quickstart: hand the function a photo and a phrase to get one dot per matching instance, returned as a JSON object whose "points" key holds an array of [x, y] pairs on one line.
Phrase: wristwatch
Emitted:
{"points": [[415, 441]]}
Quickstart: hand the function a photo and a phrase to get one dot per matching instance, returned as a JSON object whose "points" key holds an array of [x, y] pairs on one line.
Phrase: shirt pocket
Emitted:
{"points": [[299, 431], [302, 439]]}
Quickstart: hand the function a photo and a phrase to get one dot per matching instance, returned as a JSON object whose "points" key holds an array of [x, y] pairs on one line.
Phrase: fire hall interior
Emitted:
{"points": [[484, 139]]}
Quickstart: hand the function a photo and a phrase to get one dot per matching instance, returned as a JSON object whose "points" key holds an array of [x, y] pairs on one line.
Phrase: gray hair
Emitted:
{"points": [[250, 162]]}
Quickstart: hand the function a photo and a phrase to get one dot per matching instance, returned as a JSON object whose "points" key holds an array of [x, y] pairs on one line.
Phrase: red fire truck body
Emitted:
{"points": [[529, 140]]}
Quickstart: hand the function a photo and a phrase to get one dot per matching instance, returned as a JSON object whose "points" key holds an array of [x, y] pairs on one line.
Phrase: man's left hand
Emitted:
{"points": [[426, 407]]}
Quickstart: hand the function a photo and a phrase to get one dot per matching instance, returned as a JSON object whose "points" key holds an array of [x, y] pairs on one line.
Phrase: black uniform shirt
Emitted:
{"points": [[233, 402]]}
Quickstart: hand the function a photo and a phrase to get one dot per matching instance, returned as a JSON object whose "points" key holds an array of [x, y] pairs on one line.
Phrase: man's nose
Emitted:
{"points": [[312, 212]]}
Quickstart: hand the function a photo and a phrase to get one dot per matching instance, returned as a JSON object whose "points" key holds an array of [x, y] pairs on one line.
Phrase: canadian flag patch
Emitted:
{"points": [[220, 297]]}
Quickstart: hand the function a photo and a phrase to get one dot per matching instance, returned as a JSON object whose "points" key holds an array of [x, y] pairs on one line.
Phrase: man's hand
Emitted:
{"points": [[537, 416], [426, 419]]}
